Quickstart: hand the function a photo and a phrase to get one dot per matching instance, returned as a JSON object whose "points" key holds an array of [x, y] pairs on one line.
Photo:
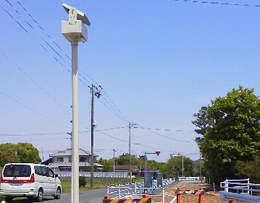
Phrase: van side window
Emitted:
{"points": [[51, 174], [37, 170], [44, 171]]}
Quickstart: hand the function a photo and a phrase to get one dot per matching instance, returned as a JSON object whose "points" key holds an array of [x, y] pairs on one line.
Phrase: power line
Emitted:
{"points": [[30, 134], [155, 133], [36, 40], [115, 128], [168, 130], [116, 109], [219, 3], [43, 29], [109, 104], [28, 107], [35, 134], [39, 86], [137, 144]]}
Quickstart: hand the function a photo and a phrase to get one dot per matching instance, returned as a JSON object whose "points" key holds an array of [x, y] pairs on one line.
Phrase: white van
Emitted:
{"points": [[29, 180]]}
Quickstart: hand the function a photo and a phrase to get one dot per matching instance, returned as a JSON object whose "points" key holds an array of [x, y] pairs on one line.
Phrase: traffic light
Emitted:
{"points": [[157, 153]]}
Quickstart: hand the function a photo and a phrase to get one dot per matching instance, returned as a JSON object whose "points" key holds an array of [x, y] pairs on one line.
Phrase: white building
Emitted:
{"points": [[61, 161]]}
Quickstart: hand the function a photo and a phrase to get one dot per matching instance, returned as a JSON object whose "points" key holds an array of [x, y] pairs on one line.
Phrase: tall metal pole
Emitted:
{"points": [[130, 145], [75, 130], [74, 31], [92, 137], [145, 159], [130, 169], [114, 161], [182, 165]]}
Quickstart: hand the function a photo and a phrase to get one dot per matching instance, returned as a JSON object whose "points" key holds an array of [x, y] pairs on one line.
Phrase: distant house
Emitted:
{"points": [[61, 161]]}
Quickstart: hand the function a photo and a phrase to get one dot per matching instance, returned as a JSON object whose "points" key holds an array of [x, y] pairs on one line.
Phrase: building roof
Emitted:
{"points": [[67, 152]]}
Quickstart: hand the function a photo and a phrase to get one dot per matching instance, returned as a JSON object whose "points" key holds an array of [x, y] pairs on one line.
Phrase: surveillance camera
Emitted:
{"points": [[74, 28], [80, 15]]}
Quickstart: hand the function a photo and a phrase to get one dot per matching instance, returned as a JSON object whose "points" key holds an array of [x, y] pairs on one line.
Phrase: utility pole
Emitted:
{"points": [[182, 165], [130, 125], [94, 92], [114, 161], [130, 167]]}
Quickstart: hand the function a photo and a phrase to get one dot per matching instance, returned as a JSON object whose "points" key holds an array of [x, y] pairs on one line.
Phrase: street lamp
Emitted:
{"points": [[74, 31]]}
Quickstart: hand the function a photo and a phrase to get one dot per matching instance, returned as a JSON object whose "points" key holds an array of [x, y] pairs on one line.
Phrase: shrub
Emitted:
{"points": [[82, 181]]}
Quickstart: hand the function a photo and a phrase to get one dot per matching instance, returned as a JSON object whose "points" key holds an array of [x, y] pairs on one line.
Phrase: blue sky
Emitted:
{"points": [[158, 62]]}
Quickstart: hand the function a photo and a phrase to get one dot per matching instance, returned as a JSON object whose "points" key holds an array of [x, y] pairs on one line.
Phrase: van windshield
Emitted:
{"points": [[17, 171]]}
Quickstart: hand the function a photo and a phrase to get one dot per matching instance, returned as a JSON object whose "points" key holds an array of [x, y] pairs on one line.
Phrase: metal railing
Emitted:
{"points": [[240, 190], [188, 178], [135, 190], [96, 174]]}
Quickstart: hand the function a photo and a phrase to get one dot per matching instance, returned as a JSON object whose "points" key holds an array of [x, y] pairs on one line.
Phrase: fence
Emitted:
{"points": [[96, 174], [240, 190], [137, 189], [188, 178]]}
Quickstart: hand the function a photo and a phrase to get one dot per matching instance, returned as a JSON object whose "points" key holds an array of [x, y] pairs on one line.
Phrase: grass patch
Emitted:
{"points": [[98, 183]]}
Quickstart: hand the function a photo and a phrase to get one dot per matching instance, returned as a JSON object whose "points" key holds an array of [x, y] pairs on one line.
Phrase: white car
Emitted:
{"points": [[29, 180]]}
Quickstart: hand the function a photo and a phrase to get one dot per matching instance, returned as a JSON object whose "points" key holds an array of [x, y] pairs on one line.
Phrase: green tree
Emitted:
{"points": [[154, 165], [173, 167], [233, 133], [107, 164], [124, 160], [18, 153], [250, 169], [202, 123], [102, 161]]}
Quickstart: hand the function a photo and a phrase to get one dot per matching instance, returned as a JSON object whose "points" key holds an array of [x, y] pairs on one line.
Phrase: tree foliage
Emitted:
{"points": [[250, 169], [173, 167], [107, 164], [124, 160], [233, 134], [18, 153], [202, 123]]}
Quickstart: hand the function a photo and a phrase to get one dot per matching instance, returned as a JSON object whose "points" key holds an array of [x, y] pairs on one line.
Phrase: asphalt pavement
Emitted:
{"points": [[90, 196]]}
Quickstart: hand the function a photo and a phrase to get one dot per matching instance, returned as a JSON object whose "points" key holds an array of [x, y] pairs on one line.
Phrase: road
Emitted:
{"points": [[90, 196]]}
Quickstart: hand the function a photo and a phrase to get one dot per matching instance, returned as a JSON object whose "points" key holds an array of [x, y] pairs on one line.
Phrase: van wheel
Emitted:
{"points": [[57, 194], [39, 196], [8, 199]]}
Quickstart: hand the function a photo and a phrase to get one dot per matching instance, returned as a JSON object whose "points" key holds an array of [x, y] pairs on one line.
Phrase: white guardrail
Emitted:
{"points": [[137, 189], [96, 174], [188, 178], [241, 190]]}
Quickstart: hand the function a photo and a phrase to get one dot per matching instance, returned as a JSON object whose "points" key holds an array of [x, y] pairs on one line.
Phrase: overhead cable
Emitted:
{"points": [[28, 107], [220, 3]]}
